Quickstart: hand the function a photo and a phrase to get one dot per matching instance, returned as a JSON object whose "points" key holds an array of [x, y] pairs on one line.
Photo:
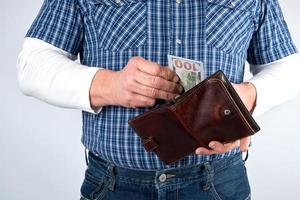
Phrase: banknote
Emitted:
{"points": [[190, 72]]}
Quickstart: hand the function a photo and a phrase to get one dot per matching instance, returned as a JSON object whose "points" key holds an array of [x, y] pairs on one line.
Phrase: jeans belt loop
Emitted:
{"points": [[209, 177], [112, 177]]}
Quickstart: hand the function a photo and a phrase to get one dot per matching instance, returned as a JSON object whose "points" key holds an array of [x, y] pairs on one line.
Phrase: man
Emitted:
{"points": [[123, 46]]}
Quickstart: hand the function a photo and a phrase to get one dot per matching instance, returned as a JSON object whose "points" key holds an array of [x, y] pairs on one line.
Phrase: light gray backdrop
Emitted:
{"points": [[41, 157]]}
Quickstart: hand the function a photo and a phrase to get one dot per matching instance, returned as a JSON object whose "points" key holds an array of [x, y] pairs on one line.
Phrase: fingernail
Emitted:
{"points": [[177, 96], [181, 89], [212, 145]]}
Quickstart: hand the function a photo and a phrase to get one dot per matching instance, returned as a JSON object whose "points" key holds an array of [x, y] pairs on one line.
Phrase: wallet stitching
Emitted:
{"points": [[235, 105], [179, 101], [151, 140]]}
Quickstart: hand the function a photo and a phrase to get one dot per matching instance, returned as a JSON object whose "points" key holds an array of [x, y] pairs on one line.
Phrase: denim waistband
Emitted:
{"points": [[167, 175]]}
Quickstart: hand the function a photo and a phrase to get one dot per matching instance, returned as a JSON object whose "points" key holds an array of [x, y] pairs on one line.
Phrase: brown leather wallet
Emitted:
{"points": [[211, 110]]}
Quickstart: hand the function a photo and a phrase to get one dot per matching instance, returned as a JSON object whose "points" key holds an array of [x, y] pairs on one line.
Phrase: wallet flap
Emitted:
{"points": [[237, 100], [210, 113]]}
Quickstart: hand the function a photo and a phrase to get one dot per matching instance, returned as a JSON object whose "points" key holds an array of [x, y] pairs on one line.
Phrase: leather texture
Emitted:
{"points": [[211, 110]]}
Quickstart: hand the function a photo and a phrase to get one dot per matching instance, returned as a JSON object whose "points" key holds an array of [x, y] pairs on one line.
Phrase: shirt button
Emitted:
{"points": [[118, 1], [232, 5], [178, 1], [162, 178], [178, 41]]}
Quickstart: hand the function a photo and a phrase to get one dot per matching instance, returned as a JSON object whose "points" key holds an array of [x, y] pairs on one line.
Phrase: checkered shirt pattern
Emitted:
{"points": [[223, 34]]}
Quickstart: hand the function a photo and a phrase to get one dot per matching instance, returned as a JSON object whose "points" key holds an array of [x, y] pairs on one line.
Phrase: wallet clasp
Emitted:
{"points": [[149, 143]]}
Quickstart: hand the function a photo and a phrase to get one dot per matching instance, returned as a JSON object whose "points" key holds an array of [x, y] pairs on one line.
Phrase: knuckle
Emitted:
{"points": [[155, 81], [168, 96], [131, 62], [134, 60], [153, 92], [152, 80], [130, 70], [157, 69], [128, 84]]}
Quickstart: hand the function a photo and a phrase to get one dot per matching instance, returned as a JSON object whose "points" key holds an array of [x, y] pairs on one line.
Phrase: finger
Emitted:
{"points": [[155, 69], [158, 82], [152, 92], [223, 148], [168, 74], [245, 142], [204, 151], [140, 101], [234, 85]]}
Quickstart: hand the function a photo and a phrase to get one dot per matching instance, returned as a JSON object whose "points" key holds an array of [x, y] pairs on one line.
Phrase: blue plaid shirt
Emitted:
{"points": [[223, 34]]}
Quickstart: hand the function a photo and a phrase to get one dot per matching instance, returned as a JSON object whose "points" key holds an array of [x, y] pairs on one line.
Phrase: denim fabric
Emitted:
{"points": [[224, 179]]}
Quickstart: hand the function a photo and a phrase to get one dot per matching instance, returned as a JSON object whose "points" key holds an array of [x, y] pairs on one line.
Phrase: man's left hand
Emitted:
{"points": [[247, 93]]}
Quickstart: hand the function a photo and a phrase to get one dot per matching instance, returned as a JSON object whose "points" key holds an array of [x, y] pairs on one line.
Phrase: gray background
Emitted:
{"points": [[41, 156]]}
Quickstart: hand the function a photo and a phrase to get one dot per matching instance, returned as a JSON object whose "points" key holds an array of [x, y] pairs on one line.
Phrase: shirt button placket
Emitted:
{"points": [[232, 5], [178, 41]]}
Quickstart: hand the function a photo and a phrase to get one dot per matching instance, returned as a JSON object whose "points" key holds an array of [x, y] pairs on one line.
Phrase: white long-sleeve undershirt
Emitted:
{"points": [[52, 75], [275, 82]]}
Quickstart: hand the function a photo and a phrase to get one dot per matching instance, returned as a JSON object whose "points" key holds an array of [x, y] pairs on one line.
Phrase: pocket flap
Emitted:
{"points": [[235, 4], [116, 2]]}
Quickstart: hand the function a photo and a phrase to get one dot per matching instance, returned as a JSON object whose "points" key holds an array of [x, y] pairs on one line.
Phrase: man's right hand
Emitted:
{"points": [[138, 84]]}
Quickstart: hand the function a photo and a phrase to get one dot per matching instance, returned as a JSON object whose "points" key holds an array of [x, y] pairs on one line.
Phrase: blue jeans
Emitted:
{"points": [[224, 179]]}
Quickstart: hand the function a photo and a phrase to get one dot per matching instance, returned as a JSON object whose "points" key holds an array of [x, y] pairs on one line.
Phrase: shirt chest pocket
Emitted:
{"points": [[120, 24], [229, 24]]}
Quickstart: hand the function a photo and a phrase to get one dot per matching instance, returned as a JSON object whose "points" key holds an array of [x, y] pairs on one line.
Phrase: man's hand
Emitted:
{"points": [[247, 93], [139, 84]]}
